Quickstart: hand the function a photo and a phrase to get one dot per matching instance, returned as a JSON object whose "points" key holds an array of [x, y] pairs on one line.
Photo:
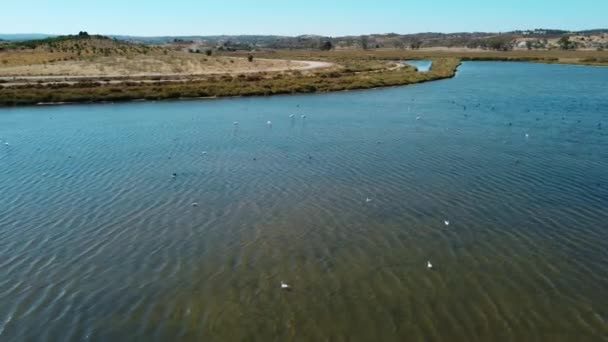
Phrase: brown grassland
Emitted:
{"points": [[586, 57]]}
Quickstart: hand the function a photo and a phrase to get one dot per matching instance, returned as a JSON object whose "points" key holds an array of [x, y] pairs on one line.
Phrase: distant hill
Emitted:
{"points": [[537, 38], [241, 39], [72, 47], [82, 42], [387, 40]]}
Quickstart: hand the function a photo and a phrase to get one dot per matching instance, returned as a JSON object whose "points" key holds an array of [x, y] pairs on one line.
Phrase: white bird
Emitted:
{"points": [[303, 116], [6, 143], [429, 265], [417, 118], [269, 123], [204, 153], [527, 135], [446, 222], [236, 123], [195, 204], [291, 116], [285, 286], [367, 200]]}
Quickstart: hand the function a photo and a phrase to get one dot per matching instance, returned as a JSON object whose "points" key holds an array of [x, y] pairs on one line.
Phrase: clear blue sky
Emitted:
{"points": [[287, 17]]}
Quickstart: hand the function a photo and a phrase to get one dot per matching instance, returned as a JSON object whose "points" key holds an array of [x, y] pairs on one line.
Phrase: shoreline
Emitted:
{"points": [[226, 86], [49, 104], [238, 87]]}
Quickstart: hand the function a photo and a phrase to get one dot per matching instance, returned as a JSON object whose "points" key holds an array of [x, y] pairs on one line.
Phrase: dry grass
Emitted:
{"points": [[66, 49], [144, 65], [544, 56]]}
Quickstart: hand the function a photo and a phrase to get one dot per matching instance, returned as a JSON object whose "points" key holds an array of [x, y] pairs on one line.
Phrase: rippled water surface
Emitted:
{"points": [[98, 241]]}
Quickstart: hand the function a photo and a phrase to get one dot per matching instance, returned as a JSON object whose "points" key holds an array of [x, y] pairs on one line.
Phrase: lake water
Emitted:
{"points": [[423, 65], [99, 242]]}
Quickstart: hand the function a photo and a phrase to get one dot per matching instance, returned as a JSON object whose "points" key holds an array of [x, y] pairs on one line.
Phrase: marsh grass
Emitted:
{"points": [[349, 78]]}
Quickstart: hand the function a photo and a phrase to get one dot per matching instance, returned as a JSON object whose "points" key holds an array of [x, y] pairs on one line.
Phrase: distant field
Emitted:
{"points": [[147, 65], [589, 57]]}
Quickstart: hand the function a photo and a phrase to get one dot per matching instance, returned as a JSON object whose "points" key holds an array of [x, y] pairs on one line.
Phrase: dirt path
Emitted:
{"points": [[292, 65]]}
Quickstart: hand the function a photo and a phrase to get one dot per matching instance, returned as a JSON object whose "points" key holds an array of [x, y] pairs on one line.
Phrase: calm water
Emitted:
{"points": [[98, 241], [423, 65]]}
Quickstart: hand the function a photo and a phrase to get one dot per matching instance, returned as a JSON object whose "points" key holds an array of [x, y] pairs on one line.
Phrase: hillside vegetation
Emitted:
{"points": [[72, 47], [90, 56]]}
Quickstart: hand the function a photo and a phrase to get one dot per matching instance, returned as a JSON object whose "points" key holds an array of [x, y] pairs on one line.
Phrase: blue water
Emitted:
{"points": [[423, 65], [98, 241]]}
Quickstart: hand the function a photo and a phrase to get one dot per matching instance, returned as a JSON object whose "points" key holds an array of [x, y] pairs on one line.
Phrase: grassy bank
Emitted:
{"points": [[355, 69], [354, 74]]}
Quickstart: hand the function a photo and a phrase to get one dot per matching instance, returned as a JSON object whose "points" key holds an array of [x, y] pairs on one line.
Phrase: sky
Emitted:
{"points": [[287, 17]]}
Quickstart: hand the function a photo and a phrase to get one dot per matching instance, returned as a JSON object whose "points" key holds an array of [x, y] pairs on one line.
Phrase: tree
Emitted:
{"points": [[399, 44], [500, 43], [250, 58], [364, 41], [415, 45], [208, 52], [529, 45], [326, 46], [83, 34], [565, 43]]}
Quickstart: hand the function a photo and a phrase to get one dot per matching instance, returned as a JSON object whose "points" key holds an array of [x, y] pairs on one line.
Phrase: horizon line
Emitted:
{"points": [[298, 35]]}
